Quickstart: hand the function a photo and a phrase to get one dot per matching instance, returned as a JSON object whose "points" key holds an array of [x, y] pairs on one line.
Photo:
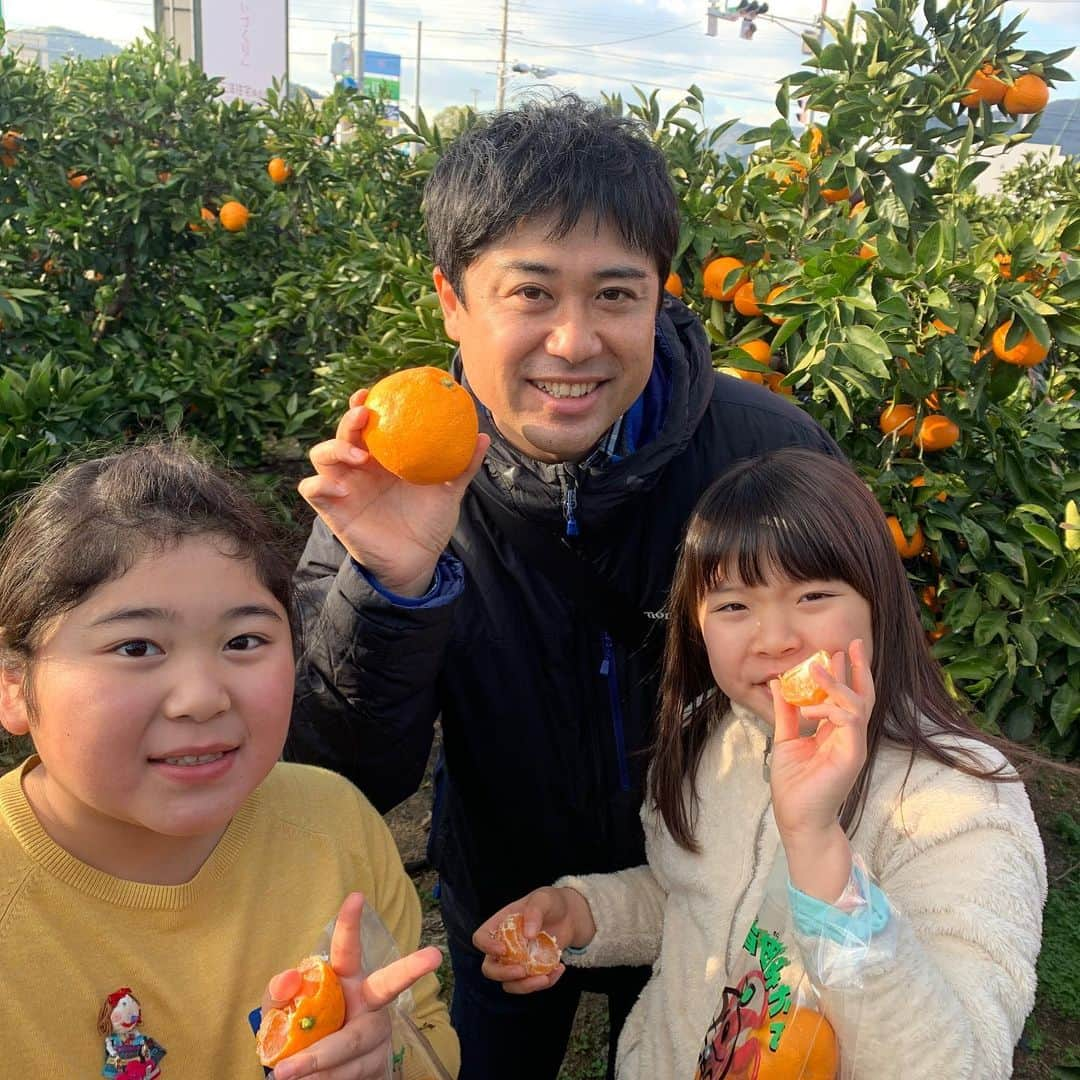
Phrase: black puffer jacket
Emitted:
{"points": [[545, 709]]}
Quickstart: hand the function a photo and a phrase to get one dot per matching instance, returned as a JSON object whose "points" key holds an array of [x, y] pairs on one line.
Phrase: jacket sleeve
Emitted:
{"points": [[628, 909], [966, 883], [366, 680]]}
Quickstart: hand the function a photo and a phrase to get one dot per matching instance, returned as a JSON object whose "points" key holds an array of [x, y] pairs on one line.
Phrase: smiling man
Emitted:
{"points": [[523, 604]]}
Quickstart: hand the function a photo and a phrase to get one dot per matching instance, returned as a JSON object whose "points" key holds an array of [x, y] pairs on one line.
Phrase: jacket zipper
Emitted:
{"points": [[607, 669], [753, 870], [570, 508]]}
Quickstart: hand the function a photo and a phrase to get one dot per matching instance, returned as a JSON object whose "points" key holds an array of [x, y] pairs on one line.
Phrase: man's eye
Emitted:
{"points": [[532, 292], [615, 294], [245, 642], [138, 648]]}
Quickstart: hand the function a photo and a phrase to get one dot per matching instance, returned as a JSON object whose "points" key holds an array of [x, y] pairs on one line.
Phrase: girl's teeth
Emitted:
{"points": [[192, 759], [564, 390]]}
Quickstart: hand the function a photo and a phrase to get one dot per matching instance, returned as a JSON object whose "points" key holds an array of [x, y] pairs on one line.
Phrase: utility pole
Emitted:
{"points": [[416, 95], [414, 148], [358, 58], [500, 93]]}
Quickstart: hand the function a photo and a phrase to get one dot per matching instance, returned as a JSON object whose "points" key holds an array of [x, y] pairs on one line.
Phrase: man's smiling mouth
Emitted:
{"points": [[565, 389]]}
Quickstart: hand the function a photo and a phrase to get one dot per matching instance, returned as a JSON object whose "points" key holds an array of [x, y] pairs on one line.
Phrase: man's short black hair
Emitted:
{"points": [[563, 158]]}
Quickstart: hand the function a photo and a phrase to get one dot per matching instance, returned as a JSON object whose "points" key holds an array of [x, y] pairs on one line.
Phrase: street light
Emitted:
{"points": [[538, 70]]}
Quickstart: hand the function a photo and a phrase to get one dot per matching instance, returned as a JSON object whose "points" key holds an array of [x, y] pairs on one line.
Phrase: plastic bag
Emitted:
{"points": [[770, 1022]]}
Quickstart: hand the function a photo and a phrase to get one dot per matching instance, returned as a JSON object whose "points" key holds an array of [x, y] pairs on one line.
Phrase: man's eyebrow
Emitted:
{"points": [[621, 272], [134, 614]]}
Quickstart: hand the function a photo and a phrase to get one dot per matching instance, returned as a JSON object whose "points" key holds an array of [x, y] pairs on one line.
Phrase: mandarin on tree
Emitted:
{"points": [[715, 274], [278, 169], [1027, 352], [835, 195], [748, 376], [1029, 94], [674, 284], [908, 547], [772, 298], [984, 86], [937, 433], [422, 425], [745, 301], [234, 216], [317, 1011], [899, 418], [759, 349]]}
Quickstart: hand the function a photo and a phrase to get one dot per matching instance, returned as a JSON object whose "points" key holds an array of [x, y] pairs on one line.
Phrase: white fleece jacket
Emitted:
{"points": [[959, 859]]}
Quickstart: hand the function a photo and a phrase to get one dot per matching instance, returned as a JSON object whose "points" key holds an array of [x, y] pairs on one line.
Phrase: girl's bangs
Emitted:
{"points": [[758, 542]]}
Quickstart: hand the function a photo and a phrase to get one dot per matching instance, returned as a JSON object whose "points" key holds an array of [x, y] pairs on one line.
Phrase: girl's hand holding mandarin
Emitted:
{"points": [[812, 774]]}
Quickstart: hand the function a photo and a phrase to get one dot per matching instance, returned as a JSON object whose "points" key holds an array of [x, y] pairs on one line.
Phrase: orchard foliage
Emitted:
{"points": [[127, 304]]}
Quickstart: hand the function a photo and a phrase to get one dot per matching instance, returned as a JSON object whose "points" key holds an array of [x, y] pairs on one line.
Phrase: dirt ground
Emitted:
{"points": [[1049, 1050]]}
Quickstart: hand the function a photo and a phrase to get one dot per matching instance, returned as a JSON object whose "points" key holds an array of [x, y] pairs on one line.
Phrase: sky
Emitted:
{"points": [[592, 46]]}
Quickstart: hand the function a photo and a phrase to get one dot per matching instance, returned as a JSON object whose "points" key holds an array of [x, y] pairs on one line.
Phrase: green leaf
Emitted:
{"points": [[977, 537], [989, 625], [1064, 630], [1065, 708], [1047, 537], [894, 258], [930, 248]]}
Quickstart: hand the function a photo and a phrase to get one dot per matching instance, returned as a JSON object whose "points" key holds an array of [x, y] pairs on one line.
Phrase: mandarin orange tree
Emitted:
{"points": [[181, 282], [881, 311]]}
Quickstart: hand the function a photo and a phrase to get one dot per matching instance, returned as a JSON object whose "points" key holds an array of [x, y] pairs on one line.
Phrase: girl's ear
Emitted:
{"points": [[14, 717]]}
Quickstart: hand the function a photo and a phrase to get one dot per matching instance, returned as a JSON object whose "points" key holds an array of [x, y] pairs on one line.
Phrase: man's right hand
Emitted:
{"points": [[394, 529]]}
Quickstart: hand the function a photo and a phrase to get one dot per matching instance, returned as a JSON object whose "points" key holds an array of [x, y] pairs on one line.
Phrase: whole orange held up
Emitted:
{"points": [[798, 686], [317, 1011], [422, 425], [538, 956]]}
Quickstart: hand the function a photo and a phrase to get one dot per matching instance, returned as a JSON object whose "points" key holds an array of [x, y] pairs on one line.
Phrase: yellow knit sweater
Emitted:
{"points": [[198, 955]]}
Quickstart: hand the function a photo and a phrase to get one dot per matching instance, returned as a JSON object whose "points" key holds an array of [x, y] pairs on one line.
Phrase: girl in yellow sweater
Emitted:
{"points": [[154, 854]]}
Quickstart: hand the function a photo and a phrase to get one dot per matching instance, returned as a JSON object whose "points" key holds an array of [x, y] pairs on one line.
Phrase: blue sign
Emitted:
{"points": [[381, 63]]}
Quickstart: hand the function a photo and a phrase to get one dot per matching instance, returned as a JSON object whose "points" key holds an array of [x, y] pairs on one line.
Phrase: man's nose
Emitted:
{"points": [[574, 338]]}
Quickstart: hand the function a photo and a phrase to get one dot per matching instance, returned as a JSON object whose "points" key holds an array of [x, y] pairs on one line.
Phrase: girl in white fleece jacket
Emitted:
{"points": [[915, 876]]}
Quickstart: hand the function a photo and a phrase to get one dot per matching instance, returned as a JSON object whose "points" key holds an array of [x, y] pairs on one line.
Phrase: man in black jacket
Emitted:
{"points": [[524, 603]]}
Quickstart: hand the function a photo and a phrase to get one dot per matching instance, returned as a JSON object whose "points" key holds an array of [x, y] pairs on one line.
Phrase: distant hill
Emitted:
{"points": [[50, 45]]}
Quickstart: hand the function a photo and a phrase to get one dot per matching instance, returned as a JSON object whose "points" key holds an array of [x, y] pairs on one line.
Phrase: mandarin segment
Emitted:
{"points": [[538, 956], [798, 686]]}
